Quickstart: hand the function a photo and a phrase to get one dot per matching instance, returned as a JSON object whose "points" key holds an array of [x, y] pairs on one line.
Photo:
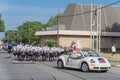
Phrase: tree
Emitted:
{"points": [[10, 36], [27, 31], [115, 27], [52, 21], [2, 27]]}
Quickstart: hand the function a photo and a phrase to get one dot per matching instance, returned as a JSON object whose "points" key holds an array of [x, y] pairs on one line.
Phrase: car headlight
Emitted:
{"points": [[92, 61]]}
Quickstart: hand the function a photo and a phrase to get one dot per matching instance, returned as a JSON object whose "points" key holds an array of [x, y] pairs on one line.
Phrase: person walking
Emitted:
{"points": [[113, 49]]}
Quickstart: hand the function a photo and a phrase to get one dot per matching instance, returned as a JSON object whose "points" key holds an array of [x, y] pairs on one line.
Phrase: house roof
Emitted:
{"points": [[109, 16]]}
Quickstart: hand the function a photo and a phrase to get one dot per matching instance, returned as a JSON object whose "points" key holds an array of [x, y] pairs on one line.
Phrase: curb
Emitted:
{"points": [[3, 51], [23, 62], [117, 66]]}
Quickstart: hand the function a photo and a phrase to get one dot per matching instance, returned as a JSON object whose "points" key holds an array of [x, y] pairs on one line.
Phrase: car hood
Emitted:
{"points": [[96, 59]]}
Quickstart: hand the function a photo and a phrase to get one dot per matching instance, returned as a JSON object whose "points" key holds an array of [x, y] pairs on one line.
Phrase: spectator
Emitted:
{"points": [[0, 47], [10, 50], [113, 49]]}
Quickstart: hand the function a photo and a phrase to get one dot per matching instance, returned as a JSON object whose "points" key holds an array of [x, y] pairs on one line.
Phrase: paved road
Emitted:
{"points": [[49, 71], [10, 71], [112, 74]]}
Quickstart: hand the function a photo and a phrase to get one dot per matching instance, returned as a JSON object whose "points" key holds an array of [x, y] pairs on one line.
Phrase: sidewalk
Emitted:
{"points": [[114, 60], [23, 62], [115, 64]]}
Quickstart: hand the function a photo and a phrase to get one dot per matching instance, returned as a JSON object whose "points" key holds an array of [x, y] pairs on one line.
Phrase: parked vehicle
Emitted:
{"points": [[5, 46]]}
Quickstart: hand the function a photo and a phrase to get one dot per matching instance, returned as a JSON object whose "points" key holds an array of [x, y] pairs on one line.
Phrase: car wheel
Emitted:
{"points": [[84, 67], [60, 64]]}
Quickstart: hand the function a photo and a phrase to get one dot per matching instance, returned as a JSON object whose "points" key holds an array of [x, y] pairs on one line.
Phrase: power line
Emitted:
{"points": [[92, 10]]}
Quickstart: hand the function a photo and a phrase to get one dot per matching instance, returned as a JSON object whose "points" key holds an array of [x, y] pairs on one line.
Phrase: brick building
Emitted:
{"points": [[77, 28]]}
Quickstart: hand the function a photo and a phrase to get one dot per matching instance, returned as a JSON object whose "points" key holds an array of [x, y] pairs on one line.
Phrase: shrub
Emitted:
{"points": [[50, 42]]}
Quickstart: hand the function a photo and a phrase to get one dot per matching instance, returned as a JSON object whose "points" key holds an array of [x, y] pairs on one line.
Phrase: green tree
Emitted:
{"points": [[27, 31], [2, 27], [10, 36], [53, 21]]}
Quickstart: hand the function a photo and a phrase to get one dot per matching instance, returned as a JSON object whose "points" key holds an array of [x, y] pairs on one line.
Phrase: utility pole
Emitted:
{"points": [[95, 33], [16, 33], [58, 40], [17, 36], [29, 32], [92, 29], [99, 47], [98, 32]]}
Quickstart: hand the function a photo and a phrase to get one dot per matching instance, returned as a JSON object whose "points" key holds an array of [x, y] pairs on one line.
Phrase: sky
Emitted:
{"points": [[16, 12]]}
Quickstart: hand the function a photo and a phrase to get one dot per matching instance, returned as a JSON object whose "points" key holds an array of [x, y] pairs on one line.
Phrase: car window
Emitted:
{"points": [[68, 52], [90, 53], [75, 56]]}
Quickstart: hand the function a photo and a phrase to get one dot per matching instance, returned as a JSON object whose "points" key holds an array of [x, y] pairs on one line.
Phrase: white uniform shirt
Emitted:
{"points": [[113, 49], [46, 48]]}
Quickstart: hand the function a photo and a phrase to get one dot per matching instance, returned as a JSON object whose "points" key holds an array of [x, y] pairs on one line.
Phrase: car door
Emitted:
{"points": [[75, 61], [78, 60], [70, 61]]}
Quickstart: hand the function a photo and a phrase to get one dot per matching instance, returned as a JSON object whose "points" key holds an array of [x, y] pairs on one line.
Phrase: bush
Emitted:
{"points": [[105, 50], [109, 50], [50, 42]]}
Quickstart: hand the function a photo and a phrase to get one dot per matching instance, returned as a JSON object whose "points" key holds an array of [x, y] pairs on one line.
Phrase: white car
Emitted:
{"points": [[85, 60]]}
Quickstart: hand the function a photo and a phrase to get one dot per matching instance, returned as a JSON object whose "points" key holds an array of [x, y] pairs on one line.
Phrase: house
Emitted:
{"points": [[78, 27]]}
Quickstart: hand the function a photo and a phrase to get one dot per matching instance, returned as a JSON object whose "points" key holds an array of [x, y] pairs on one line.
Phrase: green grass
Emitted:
{"points": [[115, 58]]}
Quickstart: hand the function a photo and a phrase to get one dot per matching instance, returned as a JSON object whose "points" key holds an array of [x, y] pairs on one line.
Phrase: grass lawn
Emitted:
{"points": [[114, 58]]}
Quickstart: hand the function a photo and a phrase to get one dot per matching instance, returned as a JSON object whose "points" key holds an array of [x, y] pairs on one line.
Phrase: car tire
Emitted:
{"points": [[84, 67], [60, 64]]}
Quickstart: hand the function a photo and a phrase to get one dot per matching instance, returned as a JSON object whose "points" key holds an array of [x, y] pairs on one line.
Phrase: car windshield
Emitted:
{"points": [[90, 53]]}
